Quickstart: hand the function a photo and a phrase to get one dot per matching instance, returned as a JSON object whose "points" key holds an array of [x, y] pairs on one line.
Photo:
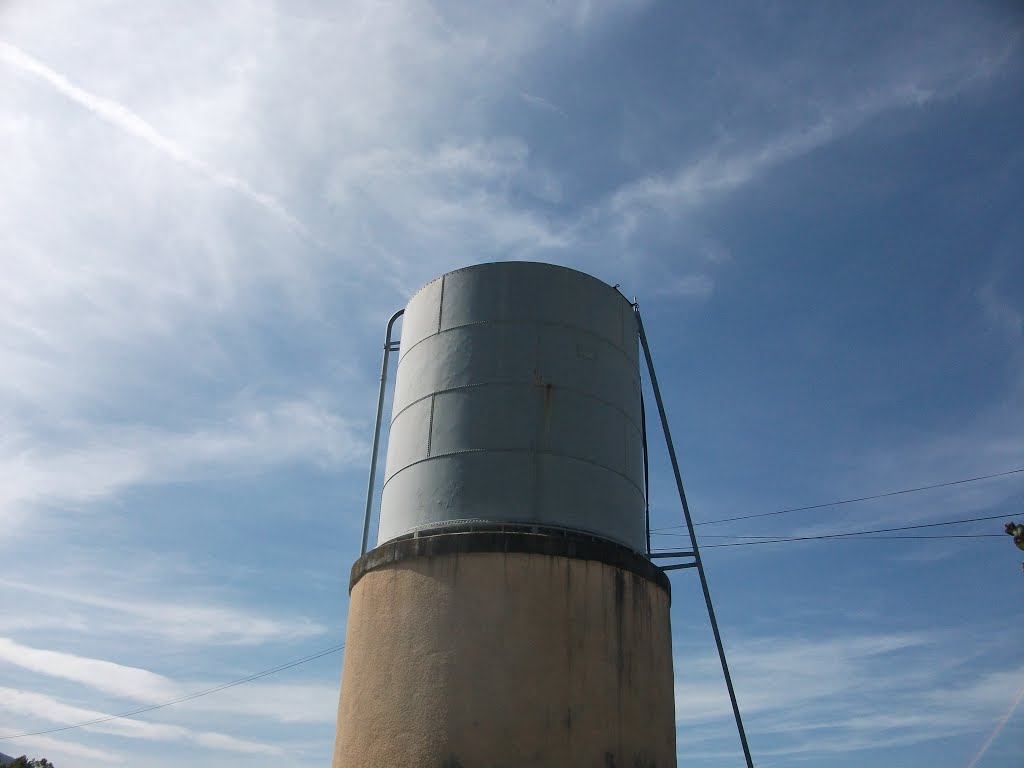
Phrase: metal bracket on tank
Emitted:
{"points": [[674, 566], [389, 346], [694, 553]]}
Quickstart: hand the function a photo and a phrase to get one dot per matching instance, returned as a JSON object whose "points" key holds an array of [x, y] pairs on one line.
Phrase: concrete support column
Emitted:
{"points": [[506, 648]]}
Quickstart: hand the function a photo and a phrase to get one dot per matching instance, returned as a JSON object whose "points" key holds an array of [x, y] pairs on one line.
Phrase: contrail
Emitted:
{"points": [[120, 116], [999, 727]]}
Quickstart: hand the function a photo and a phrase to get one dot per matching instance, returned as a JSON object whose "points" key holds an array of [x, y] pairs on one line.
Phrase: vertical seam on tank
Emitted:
{"points": [[430, 423], [440, 305], [430, 426], [625, 447], [624, 323]]}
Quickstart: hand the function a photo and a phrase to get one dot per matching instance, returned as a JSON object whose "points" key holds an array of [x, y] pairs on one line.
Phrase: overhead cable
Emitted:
{"points": [[849, 501], [856, 536], [857, 533], [189, 697], [860, 537]]}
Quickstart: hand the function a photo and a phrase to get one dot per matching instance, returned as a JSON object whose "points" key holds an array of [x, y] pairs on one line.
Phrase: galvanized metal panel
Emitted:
{"points": [[517, 400], [538, 294], [412, 428], [519, 353], [475, 419], [513, 486], [422, 316]]}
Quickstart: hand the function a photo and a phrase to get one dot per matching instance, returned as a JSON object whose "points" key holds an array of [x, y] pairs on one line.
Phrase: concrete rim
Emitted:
{"points": [[508, 538]]}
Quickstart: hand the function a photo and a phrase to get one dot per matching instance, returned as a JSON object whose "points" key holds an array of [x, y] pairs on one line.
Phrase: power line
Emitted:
{"points": [[189, 697], [857, 537], [852, 536], [938, 536], [850, 501], [862, 533], [860, 536]]}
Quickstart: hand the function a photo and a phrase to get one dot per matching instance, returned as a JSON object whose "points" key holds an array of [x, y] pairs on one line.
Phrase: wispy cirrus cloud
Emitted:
{"points": [[399, 197], [715, 173], [310, 702], [126, 120], [730, 164], [64, 749], [694, 286], [840, 694], [453, 203], [1000, 311], [105, 676], [1000, 725], [50, 709], [179, 622], [96, 463], [541, 103], [161, 322], [668, 205]]}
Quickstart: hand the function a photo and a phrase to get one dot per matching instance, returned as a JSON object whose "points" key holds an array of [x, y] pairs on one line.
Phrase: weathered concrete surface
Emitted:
{"points": [[502, 660]]}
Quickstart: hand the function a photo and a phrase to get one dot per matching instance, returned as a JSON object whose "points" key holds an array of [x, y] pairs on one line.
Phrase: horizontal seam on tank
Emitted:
{"points": [[541, 263], [443, 527], [546, 323], [515, 384], [512, 450]]}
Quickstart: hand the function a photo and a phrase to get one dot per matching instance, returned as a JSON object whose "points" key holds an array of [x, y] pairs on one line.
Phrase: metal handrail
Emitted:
{"points": [[389, 347]]}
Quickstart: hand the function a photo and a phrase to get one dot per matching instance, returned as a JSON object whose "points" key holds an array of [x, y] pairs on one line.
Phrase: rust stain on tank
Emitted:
{"points": [[549, 396]]}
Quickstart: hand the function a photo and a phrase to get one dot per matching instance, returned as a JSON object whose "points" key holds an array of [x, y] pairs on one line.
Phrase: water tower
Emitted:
{"points": [[510, 614]]}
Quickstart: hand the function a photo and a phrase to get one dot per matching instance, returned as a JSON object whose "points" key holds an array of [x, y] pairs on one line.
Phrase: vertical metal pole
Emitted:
{"points": [[376, 430], [647, 473], [693, 537]]}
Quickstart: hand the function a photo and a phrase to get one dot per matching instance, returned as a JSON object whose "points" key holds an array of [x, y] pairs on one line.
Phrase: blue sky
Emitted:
{"points": [[209, 211]]}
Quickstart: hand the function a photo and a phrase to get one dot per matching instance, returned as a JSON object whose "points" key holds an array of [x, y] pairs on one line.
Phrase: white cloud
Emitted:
{"points": [[452, 203], [1000, 312], [279, 702], [541, 103], [803, 122], [94, 463], [56, 749], [47, 708], [811, 669], [727, 167], [839, 694], [145, 284], [193, 623], [173, 276], [123, 118], [105, 676], [696, 286], [714, 174]]}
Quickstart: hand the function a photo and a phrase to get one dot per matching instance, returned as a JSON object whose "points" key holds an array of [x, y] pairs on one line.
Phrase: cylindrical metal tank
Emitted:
{"points": [[517, 399], [508, 616]]}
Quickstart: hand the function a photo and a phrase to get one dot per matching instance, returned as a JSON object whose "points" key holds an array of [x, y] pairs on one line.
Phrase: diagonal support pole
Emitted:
{"points": [[693, 537], [389, 347]]}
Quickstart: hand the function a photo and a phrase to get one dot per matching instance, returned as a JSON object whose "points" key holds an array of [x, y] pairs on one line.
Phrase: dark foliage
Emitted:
{"points": [[24, 762]]}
